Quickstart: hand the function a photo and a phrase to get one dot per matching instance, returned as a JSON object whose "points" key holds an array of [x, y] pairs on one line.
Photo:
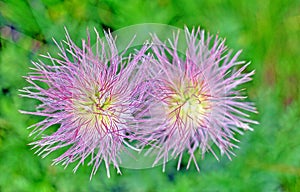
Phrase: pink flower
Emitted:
{"points": [[193, 98], [89, 95]]}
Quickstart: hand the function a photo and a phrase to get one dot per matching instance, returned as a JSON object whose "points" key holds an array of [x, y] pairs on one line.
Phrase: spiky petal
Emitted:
{"points": [[193, 98], [88, 94]]}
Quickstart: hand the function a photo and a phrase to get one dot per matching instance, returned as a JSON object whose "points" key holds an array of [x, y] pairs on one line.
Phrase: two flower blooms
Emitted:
{"points": [[155, 98]]}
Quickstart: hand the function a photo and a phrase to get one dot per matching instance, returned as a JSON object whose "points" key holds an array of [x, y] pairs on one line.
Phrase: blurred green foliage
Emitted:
{"points": [[267, 31]]}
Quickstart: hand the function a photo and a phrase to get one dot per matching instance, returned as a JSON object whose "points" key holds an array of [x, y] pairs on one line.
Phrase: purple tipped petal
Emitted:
{"points": [[192, 98], [89, 95]]}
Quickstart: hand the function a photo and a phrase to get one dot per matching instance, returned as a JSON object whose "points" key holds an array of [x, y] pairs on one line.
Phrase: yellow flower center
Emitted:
{"points": [[187, 103], [95, 107]]}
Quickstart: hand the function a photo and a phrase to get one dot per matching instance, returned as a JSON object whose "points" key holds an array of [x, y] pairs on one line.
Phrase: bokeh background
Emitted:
{"points": [[268, 31]]}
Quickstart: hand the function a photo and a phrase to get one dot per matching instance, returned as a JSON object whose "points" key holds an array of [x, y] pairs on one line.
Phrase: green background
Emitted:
{"points": [[267, 31]]}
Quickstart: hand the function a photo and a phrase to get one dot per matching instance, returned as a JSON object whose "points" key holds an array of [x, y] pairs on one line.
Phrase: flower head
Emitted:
{"points": [[88, 94], [193, 98]]}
